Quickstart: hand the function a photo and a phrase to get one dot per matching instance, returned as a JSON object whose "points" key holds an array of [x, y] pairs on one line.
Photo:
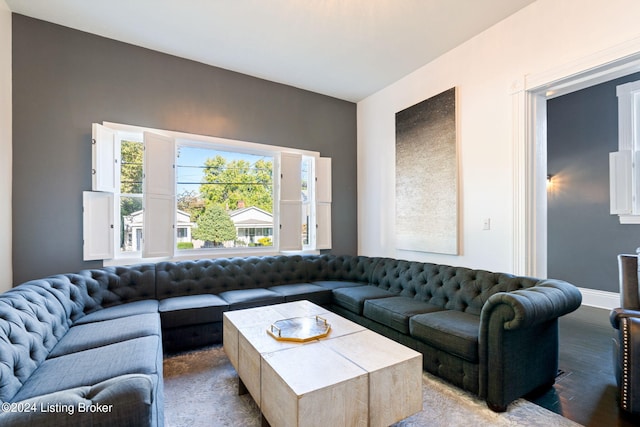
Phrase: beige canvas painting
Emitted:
{"points": [[427, 176]]}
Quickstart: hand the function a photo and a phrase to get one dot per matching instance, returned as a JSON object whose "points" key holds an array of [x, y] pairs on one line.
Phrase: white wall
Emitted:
{"points": [[544, 36], [5, 148]]}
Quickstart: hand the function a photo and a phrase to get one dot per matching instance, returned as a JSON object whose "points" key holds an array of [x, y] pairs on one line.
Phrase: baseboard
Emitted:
{"points": [[600, 299]]}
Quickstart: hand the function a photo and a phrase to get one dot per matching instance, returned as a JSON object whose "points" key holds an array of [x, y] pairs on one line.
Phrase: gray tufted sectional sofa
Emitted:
{"points": [[86, 348]]}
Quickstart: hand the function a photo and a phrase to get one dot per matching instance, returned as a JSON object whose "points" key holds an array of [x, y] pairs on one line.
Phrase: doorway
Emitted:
{"points": [[530, 143]]}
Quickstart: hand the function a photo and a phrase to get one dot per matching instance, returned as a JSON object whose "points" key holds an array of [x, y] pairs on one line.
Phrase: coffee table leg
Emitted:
{"points": [[242, 389]]}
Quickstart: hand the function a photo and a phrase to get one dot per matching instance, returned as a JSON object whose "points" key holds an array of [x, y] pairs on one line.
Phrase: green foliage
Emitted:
{"points": [[131, 157], [185, 245], [191, 203], [130, 176], [214, 225], [227, 184]]}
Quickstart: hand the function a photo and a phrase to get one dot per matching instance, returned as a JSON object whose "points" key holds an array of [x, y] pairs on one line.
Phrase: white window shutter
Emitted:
{"points": [[159, 196], [97, 232], [620, 182], [291, 177], [323, 203], [105, 156], [323, 231], [323, 179], [159, 159], [290, 226], [159, 217], [290, 230]]}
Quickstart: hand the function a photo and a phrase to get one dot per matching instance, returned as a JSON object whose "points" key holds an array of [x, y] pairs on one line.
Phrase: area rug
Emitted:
{"points": [[201, 390]]}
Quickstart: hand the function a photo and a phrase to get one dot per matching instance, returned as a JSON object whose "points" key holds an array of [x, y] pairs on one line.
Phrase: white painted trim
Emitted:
{"points": [[519, 188], [600, 299], [616, 61], [629, 219], [6, 148], [195, 139], [529, 190], [530, 133]]}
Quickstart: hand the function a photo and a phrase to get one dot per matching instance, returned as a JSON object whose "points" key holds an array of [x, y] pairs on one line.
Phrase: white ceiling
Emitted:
{"points": [[348, 49]]}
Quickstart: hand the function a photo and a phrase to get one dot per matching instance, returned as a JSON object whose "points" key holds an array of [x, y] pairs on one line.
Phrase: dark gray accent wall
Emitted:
{"points": [[583, 238], [64, 80]]}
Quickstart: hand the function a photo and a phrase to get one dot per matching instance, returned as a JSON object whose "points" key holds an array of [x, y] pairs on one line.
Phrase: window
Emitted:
{"points": [[624, 181], [129, 198], [182, 195], [227, 195]]}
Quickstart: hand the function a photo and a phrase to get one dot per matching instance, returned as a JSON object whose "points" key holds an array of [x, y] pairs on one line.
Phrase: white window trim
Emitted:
{"points": [[624, 167], [323, 199], [182, 138]]}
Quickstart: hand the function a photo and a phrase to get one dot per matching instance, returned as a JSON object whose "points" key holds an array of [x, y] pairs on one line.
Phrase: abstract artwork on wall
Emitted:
{"points": [[427, 176]]}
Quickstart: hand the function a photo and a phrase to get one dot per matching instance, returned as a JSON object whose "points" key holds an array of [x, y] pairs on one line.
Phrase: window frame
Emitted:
{"points": [[222, 144], [118, 195], [624, 164]]}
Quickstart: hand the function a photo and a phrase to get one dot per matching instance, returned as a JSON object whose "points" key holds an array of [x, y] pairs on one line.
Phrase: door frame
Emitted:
{"points": [[529, 95]]}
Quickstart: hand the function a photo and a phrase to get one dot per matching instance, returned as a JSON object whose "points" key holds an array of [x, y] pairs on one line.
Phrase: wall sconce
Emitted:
{"points": [[549, 181]]}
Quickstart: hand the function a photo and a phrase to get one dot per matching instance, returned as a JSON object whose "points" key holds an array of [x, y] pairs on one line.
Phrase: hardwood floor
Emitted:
{"points": [[585, 391]]}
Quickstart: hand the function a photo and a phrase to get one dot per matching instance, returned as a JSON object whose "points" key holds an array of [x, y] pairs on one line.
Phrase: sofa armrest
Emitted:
{"points": [[518, 341], [548, 300], [619, 313], [627, 369], [123, 400]]}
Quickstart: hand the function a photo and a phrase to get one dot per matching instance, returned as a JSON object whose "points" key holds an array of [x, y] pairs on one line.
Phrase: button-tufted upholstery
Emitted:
{"points": [[31, 323], [342, 268], [222, 275], [477, 329], [48, 349], [452, 288], [111, 286]]}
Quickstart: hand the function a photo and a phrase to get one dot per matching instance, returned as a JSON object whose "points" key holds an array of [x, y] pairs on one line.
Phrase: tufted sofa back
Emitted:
{"points": [[340, 268], [225, 274], [32, 320], [454, 288], [109, 286]]}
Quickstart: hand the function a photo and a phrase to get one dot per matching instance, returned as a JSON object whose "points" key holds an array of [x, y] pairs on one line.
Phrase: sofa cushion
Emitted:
{"points": [[89, 367], [124, 310], [337, 284], [395, 312], [353, 298], [247, 298], [295, 292], [126, 400], [192, 310], [98, 334], [451, 331]]}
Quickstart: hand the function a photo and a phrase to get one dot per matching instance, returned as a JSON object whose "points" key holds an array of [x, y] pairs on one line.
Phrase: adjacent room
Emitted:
{"points": [[319, 213]]}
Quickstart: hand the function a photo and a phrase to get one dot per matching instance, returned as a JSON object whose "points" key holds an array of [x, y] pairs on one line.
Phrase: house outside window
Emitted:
{"points": [[254, 226]]}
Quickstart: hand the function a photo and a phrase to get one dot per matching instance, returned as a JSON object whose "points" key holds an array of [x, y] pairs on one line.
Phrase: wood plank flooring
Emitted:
{"points": [[586, 391]]}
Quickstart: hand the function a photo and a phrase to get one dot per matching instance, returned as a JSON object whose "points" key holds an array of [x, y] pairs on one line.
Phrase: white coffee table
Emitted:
{"points": [[352, 377]]}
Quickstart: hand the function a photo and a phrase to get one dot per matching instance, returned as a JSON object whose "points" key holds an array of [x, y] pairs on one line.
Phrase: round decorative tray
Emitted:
{"points": [[299, 329]]}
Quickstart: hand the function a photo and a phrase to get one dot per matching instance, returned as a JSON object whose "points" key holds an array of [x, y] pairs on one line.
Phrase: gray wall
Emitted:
{"points": [[583, 238], [64, 80]]}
